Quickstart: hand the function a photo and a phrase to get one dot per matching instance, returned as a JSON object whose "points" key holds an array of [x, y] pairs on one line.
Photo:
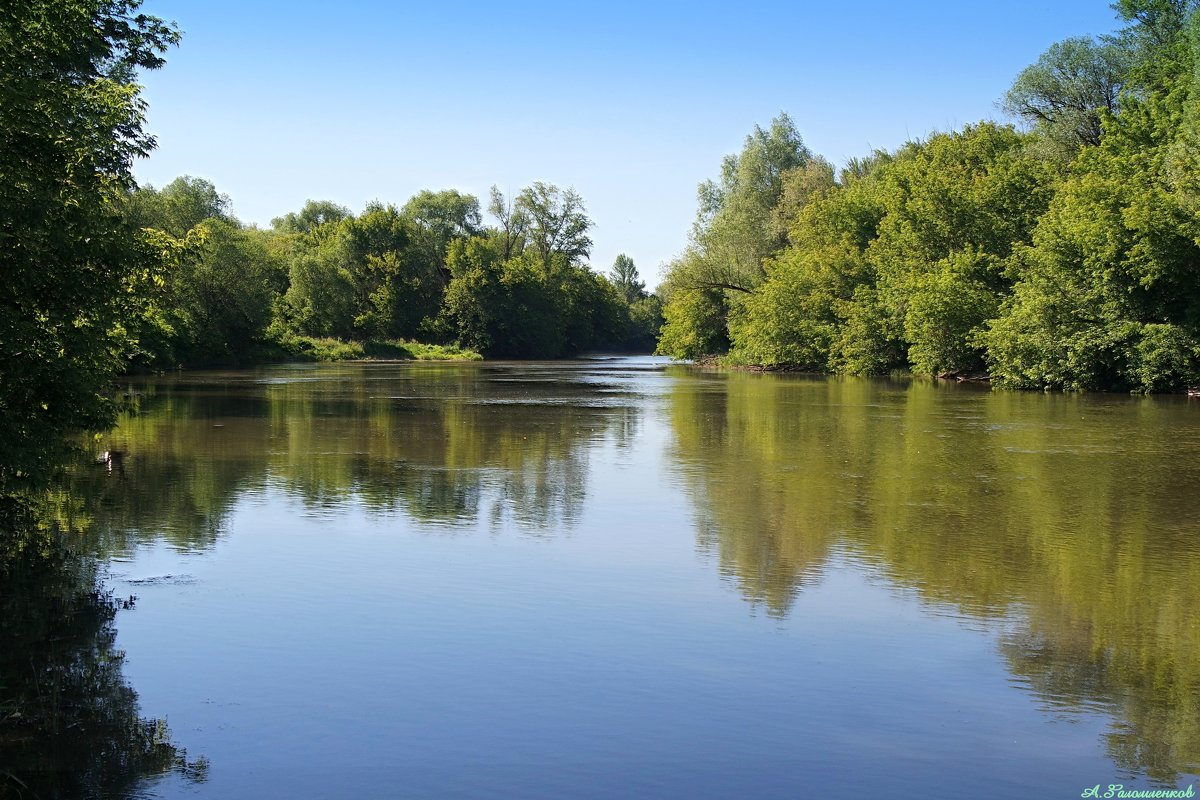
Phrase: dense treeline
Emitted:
{"points": [[1063, 256], [429, 271], [76, 277], [102, 275]]}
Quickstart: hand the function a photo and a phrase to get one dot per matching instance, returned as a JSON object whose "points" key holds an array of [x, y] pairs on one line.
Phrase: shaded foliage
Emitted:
{"points": [[69, 721]]}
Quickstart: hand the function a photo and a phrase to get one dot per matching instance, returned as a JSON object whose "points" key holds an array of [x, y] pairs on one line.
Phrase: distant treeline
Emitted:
{"points": [[103, 276], [428, 271], [1063, 256]]}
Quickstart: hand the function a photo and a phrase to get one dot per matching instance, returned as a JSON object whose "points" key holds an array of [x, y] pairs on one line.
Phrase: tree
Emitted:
{"points": [[71, 123], [439, 218], [557, 221], [520, 291], [1069, 90], [737, 227], [514, 223], [315, 214], [179, 206], [625, 278]]}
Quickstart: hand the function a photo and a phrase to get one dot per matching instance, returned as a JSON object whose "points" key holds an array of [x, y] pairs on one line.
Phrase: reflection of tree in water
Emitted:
{"points": [[439, 444], [1068, 523], [771, 495], [69, 722], [171, 470]]}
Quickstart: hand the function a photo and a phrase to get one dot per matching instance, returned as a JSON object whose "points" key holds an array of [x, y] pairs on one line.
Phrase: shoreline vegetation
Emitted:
{"points": [[1063, 255], [1058, 255], [300, 349]]}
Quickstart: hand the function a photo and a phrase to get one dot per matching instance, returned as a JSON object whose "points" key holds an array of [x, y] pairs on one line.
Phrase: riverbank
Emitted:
{"points": [[309, 348]]}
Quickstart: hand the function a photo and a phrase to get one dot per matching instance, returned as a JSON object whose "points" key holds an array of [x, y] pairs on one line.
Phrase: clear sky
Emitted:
{"points": [[632, 104]]}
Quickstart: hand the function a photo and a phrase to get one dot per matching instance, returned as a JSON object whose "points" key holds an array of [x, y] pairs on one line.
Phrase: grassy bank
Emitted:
{"points": [[309, 348]]}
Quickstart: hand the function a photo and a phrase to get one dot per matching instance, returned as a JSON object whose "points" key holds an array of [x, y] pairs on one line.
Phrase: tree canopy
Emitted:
{"points": [[72, 125], [1062, 256]]}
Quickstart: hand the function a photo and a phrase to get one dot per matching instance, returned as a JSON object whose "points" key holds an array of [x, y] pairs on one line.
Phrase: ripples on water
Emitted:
{"points": [[616, 577]]}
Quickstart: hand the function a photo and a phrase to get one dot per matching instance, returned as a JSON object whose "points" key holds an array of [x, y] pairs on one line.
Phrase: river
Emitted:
{"points": [[617, 577]]}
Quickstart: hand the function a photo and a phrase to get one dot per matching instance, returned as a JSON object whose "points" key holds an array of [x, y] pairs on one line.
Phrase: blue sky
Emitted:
{"points": [[632, 104]]}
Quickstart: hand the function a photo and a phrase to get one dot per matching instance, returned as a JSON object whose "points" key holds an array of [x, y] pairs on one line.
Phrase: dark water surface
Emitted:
{"points": [[617, 578]]}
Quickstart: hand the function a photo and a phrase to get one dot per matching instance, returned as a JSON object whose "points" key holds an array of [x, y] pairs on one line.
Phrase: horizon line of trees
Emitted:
{"points": [[430, 270], [1065, 255]]}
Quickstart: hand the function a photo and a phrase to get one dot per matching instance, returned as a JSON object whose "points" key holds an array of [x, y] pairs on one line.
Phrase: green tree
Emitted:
{"points": [[1107, 296], [71, 123], [737, 227], [557, 221], [179, 206], [1068, 90], [314, 215], [216, 302], [693, 322], [438, 218], [520, 291], [624, 275], [513, 223]]}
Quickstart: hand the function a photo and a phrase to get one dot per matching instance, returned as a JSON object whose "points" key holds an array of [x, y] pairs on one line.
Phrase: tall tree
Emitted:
{"points": [[179, 206], [1067, 92], [738, 226], [436, 219], [625, 277], [71, 123], [513, 221], [558, 222]]}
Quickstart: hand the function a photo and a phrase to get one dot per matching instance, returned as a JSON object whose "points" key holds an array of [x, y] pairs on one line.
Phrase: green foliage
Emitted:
{"points": [[1108, 296], [520, 290], [792, 319], [624, 276], [71, 125], [179, 206], [557, 223], [869, 340], [309, 348], [1062, 258], [694, 324], [645, 321], [900, 266], [947, 306], [742, 220], [525, 307], [320, 299], [217, 299], [736, 225], [314, 215], [1068, 91]]}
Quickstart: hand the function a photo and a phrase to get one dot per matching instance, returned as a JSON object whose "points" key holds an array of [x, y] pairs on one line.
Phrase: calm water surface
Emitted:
{"points": [[617, 578]]}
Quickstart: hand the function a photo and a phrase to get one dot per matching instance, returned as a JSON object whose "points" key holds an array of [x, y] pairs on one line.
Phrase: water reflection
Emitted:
{"points": [[439, 444], [1069, 524], [69, 722], [1064, 527]]}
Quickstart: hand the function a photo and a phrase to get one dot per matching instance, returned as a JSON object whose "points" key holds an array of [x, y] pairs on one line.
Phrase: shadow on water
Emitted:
{"points": [[69, 721], [1071, 525]]}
